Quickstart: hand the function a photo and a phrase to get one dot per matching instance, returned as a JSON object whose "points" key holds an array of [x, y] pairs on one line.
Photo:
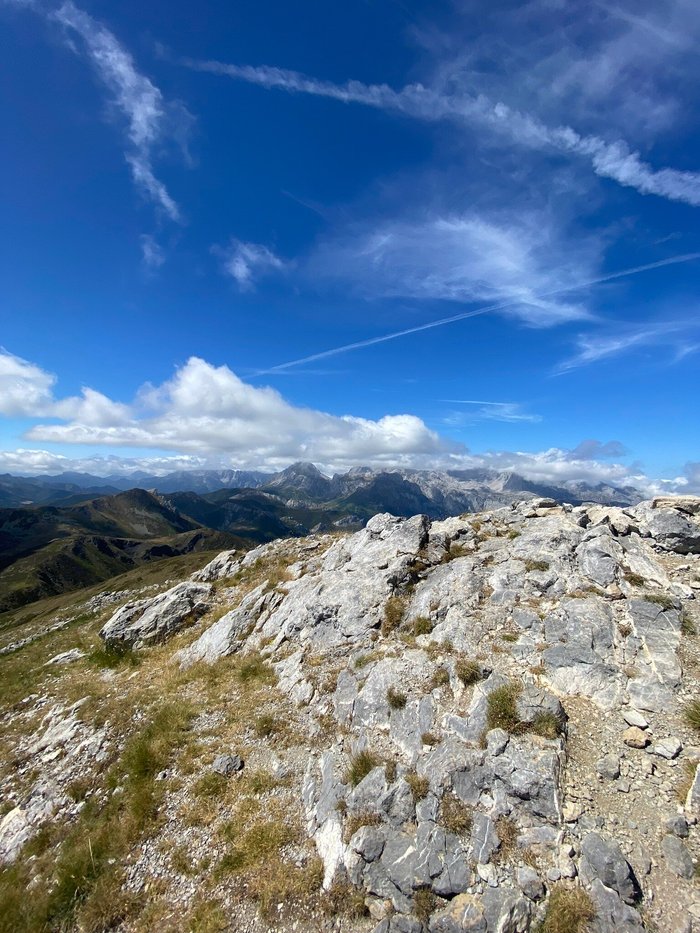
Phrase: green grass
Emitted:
{"points": [[501, 708], [569, 910], [532, 565], [395, 698], [252, 669], [469, 672], [266, 726], [422, 626], [360, 766], [691, 714], [82, 863], [547, 724], [113, 657], [660, 599]]}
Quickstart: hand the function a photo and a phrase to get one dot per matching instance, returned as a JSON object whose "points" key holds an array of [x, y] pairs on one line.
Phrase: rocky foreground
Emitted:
{"points": [[484, 724]]}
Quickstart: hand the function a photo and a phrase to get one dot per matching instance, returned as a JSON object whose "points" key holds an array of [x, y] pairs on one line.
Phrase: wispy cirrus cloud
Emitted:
{"points": [[245, 263], [152, 252], [140, 102], [678, 337], [477, 410], [610, 159], [521, 261]]}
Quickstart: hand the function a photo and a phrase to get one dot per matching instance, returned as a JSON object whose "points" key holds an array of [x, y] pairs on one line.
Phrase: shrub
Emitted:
{"points": [[687, 625], [360, 766], [531, 565], [455, 815], [422, 626], [253, 669], [547, 724], [509, 636], [419, 785], [691, 714], [424, 903], [266, 725], [357, 820], [429, 738], [469, 672], [501, 709], [394, 610], [634, 579], [396, 699], [440, 678], [569, 910]]}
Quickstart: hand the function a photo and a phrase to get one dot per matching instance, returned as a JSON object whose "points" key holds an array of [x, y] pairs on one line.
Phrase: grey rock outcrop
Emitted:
{"points": [[149, 621]]}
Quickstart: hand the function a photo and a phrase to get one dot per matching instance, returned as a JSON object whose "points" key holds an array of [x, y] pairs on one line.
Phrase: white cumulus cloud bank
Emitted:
{"points": [[206, 416], [206, 409]]}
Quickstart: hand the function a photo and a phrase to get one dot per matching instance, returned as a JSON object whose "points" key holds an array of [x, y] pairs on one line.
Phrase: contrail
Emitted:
{"points": [[371, 341]]}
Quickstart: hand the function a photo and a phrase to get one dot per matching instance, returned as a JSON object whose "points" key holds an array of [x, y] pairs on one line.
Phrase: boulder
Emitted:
{"points": [[602, 859], [677, 857], [149, 621]]}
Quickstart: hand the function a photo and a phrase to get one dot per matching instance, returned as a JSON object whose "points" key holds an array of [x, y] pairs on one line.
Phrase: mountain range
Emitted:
{"points": [[60, 533]]}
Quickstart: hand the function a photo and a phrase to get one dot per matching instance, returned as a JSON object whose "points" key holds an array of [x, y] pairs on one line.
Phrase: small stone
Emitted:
{"points": [[608, 767], [635, 738], [677, 857], [677, 826], [553, 874], [623, 786], [529, 882], [227, 764], [634, 718], [667, 748]]}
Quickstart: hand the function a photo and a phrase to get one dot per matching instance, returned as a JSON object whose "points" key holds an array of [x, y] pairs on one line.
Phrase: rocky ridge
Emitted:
{"points": [[487, 710]]}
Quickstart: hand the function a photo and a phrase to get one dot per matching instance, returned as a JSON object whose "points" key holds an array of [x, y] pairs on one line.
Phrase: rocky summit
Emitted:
{"points": [[487, 724]]}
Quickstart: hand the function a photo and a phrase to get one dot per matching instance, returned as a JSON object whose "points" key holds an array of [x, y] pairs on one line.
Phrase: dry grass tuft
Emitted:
{"points": [[455, 815], [569, 910], [360, 766]]}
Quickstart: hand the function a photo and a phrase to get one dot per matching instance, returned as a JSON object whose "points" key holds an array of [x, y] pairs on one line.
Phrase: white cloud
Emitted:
{"points": [[247, 262], [152, 251], [133, 94], [609, 159], [209, 411], [25, 389], [521, 262], [208, 417], [592, 348], [511, 412], [592, 449]]}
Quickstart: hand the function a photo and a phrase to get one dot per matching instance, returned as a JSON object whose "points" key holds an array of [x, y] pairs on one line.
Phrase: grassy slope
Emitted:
{"points": [[47, 551]]}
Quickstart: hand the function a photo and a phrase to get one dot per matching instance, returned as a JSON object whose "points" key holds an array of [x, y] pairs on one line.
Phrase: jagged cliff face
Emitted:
{"points": [[468, 725]]}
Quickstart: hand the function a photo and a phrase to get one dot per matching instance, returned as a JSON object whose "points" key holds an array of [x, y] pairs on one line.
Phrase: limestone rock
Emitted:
{"points": [[635, 738], [153, 620], [602, 859], [677, 857], [227, 764]]}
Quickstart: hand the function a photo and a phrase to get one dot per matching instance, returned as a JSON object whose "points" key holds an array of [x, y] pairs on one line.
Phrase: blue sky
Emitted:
{"points": [[431, 235]]}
